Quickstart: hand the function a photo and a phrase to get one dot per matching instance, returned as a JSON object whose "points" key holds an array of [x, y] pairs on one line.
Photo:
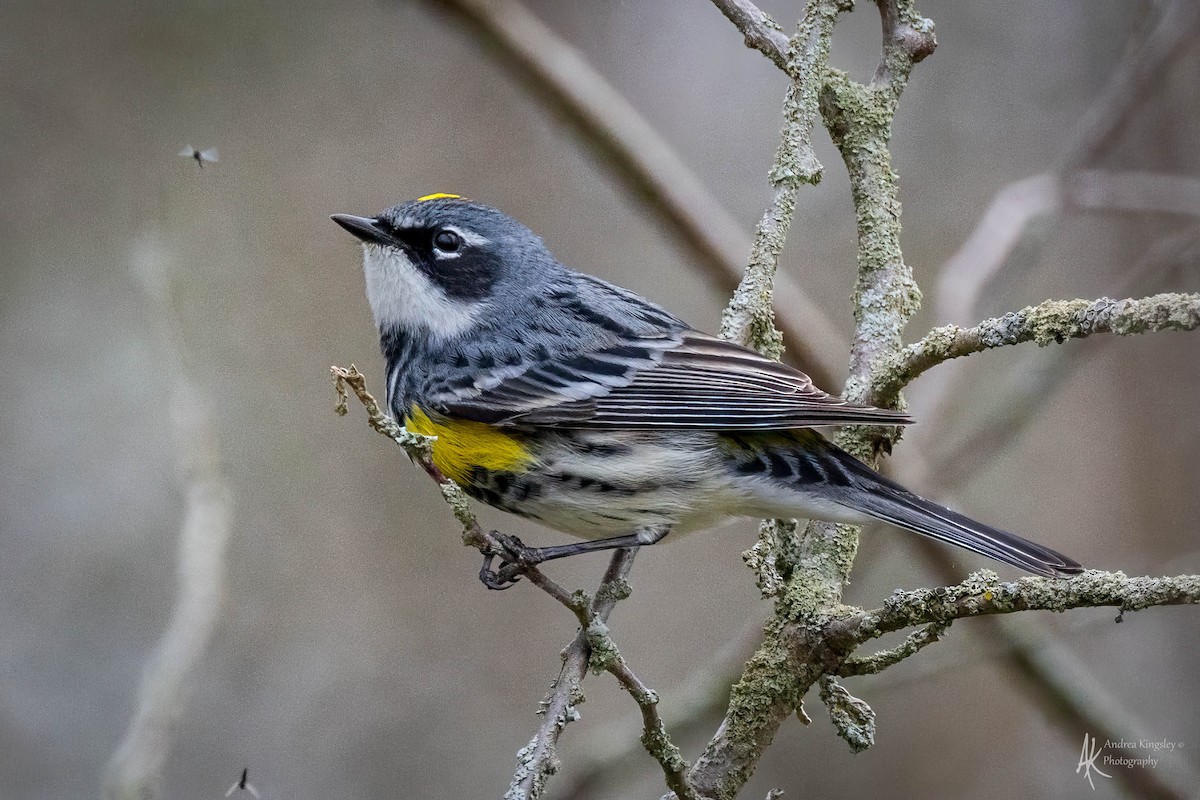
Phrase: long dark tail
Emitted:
{"points": [[929, 519], [875, 495]]}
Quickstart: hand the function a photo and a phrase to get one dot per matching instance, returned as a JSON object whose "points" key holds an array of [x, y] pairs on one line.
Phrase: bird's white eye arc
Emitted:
{"points": [[447, 241]]}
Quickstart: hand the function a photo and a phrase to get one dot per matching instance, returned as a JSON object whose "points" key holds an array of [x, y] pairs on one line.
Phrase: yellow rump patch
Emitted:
{"points": [[463, 445], [439, 196]]}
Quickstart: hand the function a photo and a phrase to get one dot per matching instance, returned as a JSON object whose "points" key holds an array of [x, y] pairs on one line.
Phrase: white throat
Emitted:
{"points": [[401, 295]]}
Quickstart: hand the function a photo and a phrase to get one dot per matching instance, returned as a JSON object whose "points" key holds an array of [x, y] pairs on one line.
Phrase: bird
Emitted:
{"points": [[200, 156], [565, 399]]}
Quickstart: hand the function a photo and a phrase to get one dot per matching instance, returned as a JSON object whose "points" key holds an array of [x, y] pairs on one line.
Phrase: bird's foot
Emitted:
{"points": [[515, 556]]}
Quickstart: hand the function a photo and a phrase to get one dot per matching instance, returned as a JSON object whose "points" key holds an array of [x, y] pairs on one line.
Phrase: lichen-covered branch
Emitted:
{"points": [[1008, 222], [878, 662], [852, 718], [812, 637], [418, 448], [760, 31], [594, 649], [1053, 321], [538, 760], [605, 656], [983, 593], [750, 317], [859, 119]]}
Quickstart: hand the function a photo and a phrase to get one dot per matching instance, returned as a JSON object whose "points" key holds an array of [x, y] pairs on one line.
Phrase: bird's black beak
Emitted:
{"points": [[366, 229]]}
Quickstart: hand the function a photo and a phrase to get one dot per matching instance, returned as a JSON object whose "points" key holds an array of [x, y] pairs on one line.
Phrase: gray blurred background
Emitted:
{"points": [[357, 655]]}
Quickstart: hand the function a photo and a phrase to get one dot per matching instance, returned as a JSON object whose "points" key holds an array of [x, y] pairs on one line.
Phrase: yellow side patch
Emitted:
{"points": [[462, 445], [439, 196]]}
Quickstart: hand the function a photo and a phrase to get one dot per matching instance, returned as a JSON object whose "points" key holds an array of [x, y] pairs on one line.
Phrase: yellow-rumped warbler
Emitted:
{"points": [[562, 398]]}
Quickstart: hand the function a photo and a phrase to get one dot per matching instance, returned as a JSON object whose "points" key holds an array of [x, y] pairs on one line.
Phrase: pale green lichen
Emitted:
{"points": [[774, 556], [768, 683], [1051, 322], [859, 120], [530, 768], [614, 590], [603, 652], [750, 317], [852, 718]]}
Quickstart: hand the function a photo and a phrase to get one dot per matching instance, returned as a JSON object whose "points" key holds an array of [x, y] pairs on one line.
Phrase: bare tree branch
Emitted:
{"points": [[762, 33], [878, 662], [696, 697], [654, 731], [1004, 225], [1046, 323], [812, 636], [852, 718], [419, 448], [598, 652], [1055, 677], [1132, 82], [135, 770], [538, 760], [983, 593], [750, 318], [859, 119], [1063, 686], [1040, 377]]}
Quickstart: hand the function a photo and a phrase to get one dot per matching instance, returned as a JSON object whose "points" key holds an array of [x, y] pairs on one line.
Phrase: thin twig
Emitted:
{"points": [[760, 31], [696, 697], [983, 593], [859, 120], [1057, 679], [655, 739], [1133, 81], [538, 760], [1003, 228], [878, 662], [852, 718], [600, 653], [1038, 379], [749, 318], [419, 448], [597, 651]]}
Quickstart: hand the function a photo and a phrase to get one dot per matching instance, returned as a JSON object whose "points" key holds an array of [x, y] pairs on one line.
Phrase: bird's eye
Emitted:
{"points": [[447, 241]]}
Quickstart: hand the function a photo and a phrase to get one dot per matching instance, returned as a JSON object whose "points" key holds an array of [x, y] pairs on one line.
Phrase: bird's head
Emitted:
{"points": [[438, 264]]}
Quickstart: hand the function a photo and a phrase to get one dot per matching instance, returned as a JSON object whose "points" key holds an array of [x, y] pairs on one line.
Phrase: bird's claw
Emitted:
{"points": [[515, 556]]}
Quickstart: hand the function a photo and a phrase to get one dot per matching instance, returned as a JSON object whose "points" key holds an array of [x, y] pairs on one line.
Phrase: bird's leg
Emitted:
{"points": [[519, 557]]}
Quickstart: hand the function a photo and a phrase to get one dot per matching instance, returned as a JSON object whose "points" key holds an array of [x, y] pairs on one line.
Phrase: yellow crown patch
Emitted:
{"points": [[439, 196]]}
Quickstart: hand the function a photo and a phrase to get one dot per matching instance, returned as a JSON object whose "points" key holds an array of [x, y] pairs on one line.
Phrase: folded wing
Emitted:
{"points": [[689, 380]]}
